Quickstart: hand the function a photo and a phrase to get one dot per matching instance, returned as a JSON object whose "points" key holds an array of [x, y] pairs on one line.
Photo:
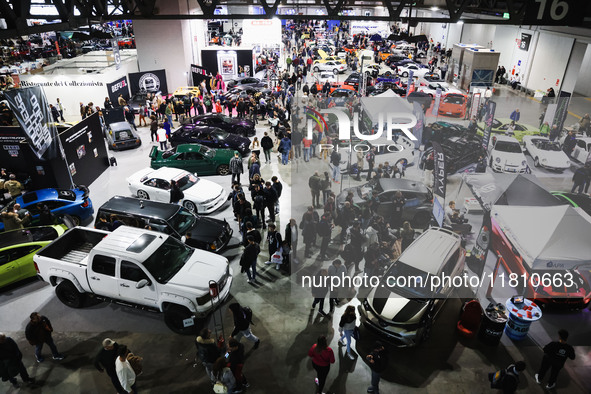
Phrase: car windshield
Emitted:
{"points": [[508, 146], [186, 180], [225, 118], [548, 145], [454, 100], [220, 135], [369, 187], [122, 135], [167, 260], [413, 282], [207, 152], [182, 221]]}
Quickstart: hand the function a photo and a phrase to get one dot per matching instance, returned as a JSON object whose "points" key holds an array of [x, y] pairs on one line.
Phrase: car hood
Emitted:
{"points": [[242, 122], [199, 270], [236, 139], [511, 158], [394, 308], [208, 228], [555, 158], [203, 190]]}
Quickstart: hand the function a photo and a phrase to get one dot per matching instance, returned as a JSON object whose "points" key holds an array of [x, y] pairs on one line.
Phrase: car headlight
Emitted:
{"points": [[498, 160], [524, 163], [208, 201]]}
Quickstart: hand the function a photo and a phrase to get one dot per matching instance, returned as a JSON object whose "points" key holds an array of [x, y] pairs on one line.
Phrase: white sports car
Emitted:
{"points": [[324, 76], [505, 155], [546, 153], [431, 88], [418, 72], [334, 67], [201, 195]]}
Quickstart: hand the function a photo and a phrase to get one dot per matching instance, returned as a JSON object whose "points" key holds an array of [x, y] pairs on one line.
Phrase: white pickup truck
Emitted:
{"points": [[135, 267]]}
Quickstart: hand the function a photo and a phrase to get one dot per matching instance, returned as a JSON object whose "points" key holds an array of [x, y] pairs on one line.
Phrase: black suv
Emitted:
{"points": [[210, 234]]}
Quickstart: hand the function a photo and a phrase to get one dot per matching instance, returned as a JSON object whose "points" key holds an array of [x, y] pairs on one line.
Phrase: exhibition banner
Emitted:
{"points": [[84, 147], [148, 81], [475, 105], [488, 121], [31, 109], [116, 54], [435, 109], [440, 180], [199, 74], [114, 89], [561, 109]]}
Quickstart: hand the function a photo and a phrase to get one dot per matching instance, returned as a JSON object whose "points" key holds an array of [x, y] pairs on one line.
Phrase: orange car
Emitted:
{"points": [[453, 104], [350, 49], [334, 86]]}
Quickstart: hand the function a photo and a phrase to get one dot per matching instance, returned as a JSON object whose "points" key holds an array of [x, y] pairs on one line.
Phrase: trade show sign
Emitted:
{"points": [[440, 180], [199, 74], [114, 89], [488, 121], [435, 109], [31, 109], [148, 81]]}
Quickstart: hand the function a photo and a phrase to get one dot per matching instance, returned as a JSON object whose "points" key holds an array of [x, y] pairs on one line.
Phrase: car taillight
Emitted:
{"points": [[36, 267], [85, 204]]}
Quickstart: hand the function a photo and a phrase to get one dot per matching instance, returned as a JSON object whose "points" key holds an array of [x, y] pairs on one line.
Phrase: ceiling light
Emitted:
{"points": [[434, 8]]}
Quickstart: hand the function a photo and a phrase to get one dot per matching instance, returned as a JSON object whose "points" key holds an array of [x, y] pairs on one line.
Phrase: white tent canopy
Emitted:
{"points": [[547, 238], [387, 102]]}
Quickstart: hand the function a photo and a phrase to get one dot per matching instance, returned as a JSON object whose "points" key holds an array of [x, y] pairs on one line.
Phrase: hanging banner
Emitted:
{"points": [[116, 55], [31, 109], [477, 257], [409, 82], [114, 89], [561, 109], [475, 105], [148, 81], [439, 183], [488, 121], [435, 109]]}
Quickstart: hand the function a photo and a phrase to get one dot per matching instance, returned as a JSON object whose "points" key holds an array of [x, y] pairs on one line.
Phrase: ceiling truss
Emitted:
{"points": [[72, 14]]}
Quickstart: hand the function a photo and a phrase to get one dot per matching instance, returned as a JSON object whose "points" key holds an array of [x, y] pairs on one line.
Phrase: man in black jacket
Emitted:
{"points": [[242, 320], [267, 145], [378, 361], [248, 261], [105, 361], [207, 351], [271, 199], [555, 355], [11, 362]]}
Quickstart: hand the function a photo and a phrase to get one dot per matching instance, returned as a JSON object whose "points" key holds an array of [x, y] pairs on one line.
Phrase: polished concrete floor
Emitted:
{"points": [[446, 363]]}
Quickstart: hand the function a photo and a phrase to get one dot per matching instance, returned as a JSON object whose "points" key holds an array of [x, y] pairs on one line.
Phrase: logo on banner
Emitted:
{"points": [[149, 82], [118, 85], [33, 122]]}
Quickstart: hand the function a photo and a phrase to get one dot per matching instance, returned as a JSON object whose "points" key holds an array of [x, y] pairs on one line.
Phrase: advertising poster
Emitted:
{"points": [[114, 89], [488, 121], [148, 81], [199, 74], [435, 109], [31, 109], [475, 105]]}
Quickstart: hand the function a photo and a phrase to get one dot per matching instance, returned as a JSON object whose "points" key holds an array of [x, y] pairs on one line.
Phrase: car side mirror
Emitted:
{"points": [[142, 283]]}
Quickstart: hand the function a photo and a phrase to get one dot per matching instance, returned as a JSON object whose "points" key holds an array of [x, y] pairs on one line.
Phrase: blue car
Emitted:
{"points": [[74, 202]]}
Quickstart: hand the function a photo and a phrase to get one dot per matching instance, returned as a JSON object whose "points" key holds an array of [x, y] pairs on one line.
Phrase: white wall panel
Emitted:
{"points": [[478, 34], [583, 85], [504, 42], [549, 63]]}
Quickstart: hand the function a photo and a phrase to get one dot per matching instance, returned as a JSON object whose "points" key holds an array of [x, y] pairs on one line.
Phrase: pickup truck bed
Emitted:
{"points": [[73, 246]]}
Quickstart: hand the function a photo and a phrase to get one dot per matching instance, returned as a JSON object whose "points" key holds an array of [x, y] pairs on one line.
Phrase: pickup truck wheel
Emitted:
{"points": [[69, 295], [143, 195], [174, 316]]}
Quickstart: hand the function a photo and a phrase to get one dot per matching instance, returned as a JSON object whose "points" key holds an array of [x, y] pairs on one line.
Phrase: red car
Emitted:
{"points": [[574, 293], [453, 104]]}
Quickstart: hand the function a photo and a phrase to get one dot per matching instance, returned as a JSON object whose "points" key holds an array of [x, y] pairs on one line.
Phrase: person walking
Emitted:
{"points": [[292, 238], [324, 231], [378, 361], [315, 187], [274, 241], [284, 148], [319, 291], [223, 375], [370, 157], [38, 332], [336, 270], [236, 359], [105, 362], [154, 128], [162, 137], [335, 160], [515, 115], [322, 356], [208, 351], [308, 225], [248, 261], [555, 355], [270, 199], [242, 321], [236, 167], [346, 328], [580, 177], [11, 362], [176, 194], [60, 108], [125, 372]]}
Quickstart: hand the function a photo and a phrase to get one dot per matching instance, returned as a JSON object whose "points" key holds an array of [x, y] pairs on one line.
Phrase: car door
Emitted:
{"points": [[385, 206], [129, 276], [162, 190], [8, 269], [195, 162], [22, 257], [579, 152], [101, 276]]}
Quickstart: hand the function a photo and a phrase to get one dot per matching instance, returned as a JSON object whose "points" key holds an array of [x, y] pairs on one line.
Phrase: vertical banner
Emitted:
{"points": [[488, 121], [440, 180], [435, 109], [475, 105], [31, 109], [409, 82], [114, 89], [477, 257], [561, 110], [116, 55]]}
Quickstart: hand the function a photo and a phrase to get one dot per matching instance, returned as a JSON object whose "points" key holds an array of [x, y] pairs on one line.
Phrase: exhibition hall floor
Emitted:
{"points": [[283, 320]]}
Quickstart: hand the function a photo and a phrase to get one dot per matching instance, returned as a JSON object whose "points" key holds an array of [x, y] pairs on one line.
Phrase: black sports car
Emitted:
{"points": [[461, 154], [394, 58], [248, 81], [211, 137], [243, 91], [440, 131], [238, 126], [381, 87]]}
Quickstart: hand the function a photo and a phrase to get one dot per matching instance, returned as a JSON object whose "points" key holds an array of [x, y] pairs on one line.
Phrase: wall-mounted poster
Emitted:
{"points": [[227, 63]]}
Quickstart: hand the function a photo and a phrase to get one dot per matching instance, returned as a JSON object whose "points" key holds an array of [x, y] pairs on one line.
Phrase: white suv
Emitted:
{"points": [[403, 313]]}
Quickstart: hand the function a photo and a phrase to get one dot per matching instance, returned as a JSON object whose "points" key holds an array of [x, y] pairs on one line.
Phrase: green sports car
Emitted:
{"points": [[17, 248], [193, 158], [501, 125]]}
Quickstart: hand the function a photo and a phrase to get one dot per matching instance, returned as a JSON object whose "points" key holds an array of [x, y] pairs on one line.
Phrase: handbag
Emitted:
{"points": [[220, 388], [356, 333]]}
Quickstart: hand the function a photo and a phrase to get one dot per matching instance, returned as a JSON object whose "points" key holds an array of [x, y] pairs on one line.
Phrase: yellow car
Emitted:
{"points": [[187, 91], [326, 58]]}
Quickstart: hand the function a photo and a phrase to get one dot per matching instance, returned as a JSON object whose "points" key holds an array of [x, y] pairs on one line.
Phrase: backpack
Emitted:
{"points": [[207, 102], [497, 378]]}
